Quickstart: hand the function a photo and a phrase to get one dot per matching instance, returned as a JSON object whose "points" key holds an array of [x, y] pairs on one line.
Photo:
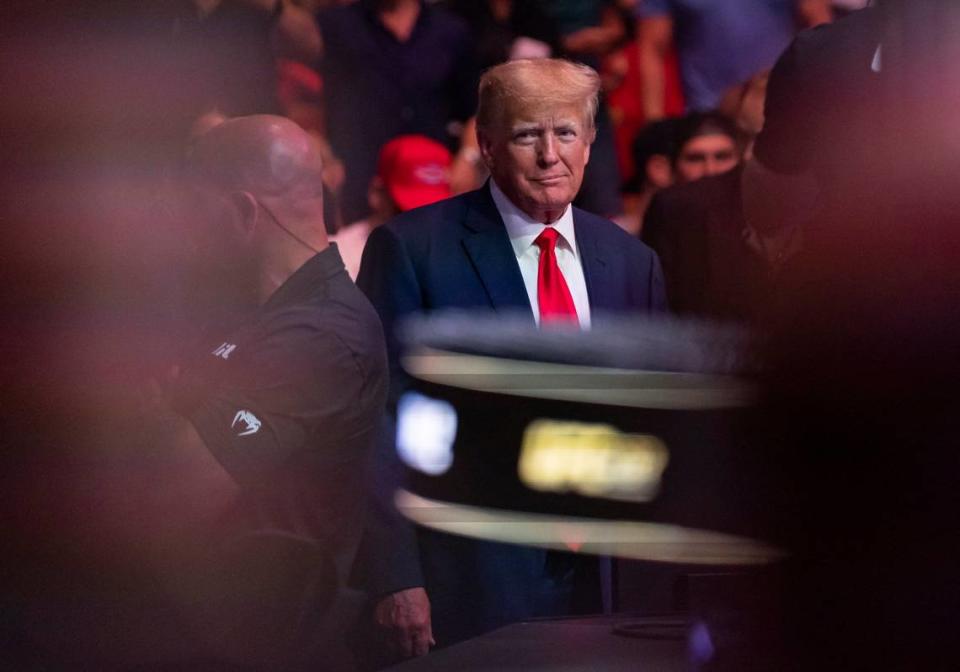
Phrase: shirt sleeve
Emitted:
{"points": [[388, 279], [282, 404], [464, 78], [388, 559], [248, 437]]}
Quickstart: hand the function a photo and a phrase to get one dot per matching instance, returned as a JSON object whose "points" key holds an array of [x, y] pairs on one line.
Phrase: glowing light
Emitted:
{"points": [[700, 643], [586, 384], [426, 430], [595, 460], [639, 540]]}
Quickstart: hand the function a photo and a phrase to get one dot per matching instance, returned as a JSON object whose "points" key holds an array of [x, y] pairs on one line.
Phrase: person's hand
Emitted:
{"points": [[405, 617]]}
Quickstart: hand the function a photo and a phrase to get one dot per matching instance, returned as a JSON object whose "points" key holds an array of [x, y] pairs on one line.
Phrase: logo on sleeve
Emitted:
{"points": [[245, 423], [223, 352]]}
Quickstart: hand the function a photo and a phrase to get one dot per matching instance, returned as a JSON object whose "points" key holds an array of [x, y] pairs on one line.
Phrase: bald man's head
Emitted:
{"points": [[257, 201], [265, 155]]}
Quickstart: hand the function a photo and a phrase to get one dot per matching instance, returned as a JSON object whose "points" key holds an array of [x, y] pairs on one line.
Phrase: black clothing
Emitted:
{"points": [[861, 372], [243, 77], [378, 87], [600, 191], [494, 38], [288, 403], [292, 394], [826, 79], [711, 266]]}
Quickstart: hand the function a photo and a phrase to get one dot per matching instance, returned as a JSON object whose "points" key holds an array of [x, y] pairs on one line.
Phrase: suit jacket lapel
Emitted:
{"points": [[488, 246], [594, 257]]}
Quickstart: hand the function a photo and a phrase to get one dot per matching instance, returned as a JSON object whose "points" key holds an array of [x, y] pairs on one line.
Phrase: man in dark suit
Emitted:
{"points": [[516, 244]]}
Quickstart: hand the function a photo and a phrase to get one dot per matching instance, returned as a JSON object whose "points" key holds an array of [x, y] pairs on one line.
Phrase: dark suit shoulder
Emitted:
{"points": [[609, 233], [434, 219]]}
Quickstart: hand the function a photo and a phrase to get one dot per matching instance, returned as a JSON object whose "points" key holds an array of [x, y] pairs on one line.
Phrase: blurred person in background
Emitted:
{"points": [[243, 40], [654, 154], [842, 8], [300, 92], [102, 491], [259, 57], [744, 105], [590, 31], [716, 264], [390, 68], [860, 383], [508, 29], [720, 43], [707, 143], [412, 171], [713, 263], [625, 99]]}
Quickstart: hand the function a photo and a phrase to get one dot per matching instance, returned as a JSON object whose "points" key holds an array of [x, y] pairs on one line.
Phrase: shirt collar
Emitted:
{"points": [[309, 279], [523, 230]]}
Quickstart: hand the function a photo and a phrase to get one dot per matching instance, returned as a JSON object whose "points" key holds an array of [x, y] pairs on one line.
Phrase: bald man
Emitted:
{"points": [[282, 398]]}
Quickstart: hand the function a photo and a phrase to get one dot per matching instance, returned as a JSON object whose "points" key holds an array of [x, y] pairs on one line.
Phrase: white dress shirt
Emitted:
{"points": [[350, 242], [523, 231]]}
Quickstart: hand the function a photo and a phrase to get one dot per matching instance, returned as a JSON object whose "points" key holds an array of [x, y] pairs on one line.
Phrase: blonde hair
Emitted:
{"points": [[528, 84]]}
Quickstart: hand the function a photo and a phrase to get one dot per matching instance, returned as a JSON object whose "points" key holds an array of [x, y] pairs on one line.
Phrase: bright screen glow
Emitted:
{"points": [[426, 430], [596, 460]]}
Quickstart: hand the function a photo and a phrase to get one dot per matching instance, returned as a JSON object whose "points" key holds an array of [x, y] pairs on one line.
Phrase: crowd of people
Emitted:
{"points": [[367, 72], [319, 170]]}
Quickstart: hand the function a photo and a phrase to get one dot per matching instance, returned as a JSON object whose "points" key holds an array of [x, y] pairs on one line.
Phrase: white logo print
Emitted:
{"points": [[223, 352], [250, 424], [431, 173]]}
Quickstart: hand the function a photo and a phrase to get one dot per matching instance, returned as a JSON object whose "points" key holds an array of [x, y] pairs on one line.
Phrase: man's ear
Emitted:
{"points": [[590, 136], [659, 171], [247, 212]]}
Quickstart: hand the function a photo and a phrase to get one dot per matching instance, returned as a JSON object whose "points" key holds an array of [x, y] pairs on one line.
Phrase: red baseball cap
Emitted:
{"points": [[415, 170]]}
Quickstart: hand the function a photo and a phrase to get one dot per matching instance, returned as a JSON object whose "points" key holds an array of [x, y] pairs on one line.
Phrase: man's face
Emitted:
{"points": [[706, 155], [537, 159]]}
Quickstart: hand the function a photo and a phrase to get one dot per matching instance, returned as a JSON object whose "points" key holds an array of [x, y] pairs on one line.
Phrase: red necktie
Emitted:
{"points": [[553, 295]]}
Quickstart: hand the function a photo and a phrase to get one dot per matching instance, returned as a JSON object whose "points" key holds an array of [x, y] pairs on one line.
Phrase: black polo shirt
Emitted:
{"points": [[288, 401]]}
